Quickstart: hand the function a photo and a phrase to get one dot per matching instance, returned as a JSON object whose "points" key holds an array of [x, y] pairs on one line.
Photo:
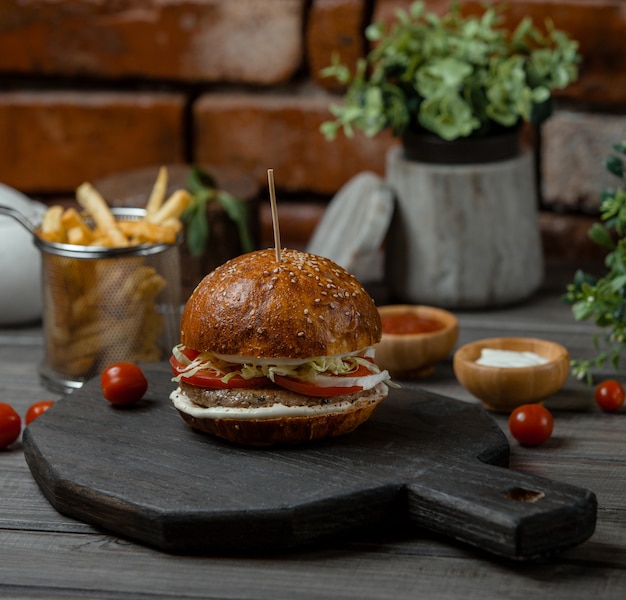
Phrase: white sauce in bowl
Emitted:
{"points": [[490, 357]]}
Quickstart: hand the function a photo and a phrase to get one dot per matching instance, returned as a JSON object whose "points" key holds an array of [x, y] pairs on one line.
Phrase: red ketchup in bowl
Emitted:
{"points": [[409, 324]]}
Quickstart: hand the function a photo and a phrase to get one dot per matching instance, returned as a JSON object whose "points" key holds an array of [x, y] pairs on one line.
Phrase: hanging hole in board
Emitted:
{"points": [[522, 495]]}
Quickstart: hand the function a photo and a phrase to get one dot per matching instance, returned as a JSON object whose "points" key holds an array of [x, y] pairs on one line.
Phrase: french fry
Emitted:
{"points": [[173, 223], [78, 237], [89, 198], [149, 288], [161, 223], [123, 293], [51, 227], [173, 207], [71, 220], [157, 196], [73, 362], [142, 232], [152, 326]]}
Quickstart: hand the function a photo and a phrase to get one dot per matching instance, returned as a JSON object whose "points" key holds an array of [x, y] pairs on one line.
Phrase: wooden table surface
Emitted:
{"points": [[46, 555]]}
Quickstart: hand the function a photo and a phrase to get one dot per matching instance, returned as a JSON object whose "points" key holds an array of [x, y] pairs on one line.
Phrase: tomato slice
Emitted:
{"points": [[208, 378], [190, 353], [310, 389]]}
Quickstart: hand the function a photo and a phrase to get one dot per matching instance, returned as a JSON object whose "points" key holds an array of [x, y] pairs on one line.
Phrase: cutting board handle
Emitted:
{"points": [[512, 514]]}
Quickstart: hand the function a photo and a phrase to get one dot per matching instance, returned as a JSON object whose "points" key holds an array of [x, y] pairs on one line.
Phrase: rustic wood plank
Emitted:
{"points": [[23, 506], [84, 565]]}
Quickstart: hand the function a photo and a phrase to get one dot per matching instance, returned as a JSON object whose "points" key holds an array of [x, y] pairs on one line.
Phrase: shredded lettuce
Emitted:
{"points": [[307, 371]]}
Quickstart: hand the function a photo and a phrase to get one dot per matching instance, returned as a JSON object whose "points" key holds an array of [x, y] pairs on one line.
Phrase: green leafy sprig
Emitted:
{"points": [[604, 299], [203, 189], [453, 75]]}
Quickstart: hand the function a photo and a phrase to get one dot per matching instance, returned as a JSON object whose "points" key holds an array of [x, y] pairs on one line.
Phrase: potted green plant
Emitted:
{"points": [[456, 90], [603, 299], [454, 76]]}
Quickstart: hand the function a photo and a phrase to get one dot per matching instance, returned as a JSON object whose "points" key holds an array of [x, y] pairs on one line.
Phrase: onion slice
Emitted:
{"points": [[366, 381]]}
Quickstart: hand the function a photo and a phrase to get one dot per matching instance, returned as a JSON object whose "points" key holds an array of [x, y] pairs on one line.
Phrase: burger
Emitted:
{"points": [[278, 351]]}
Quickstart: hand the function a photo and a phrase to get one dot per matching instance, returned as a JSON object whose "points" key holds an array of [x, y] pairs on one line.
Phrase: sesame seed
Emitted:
{"points": [[300, 333]]}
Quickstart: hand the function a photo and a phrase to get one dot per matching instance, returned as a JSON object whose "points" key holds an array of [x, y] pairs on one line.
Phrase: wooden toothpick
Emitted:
{"points": [[270, 179]]}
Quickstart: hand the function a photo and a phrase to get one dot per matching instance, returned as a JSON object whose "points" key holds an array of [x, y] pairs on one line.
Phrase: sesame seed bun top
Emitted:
{"points": [[301, 307]]}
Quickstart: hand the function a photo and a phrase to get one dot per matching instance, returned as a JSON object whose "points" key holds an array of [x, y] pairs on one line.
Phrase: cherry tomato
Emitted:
{"points": [[10, 425], [37, 410], [610, 395], [123, 383], [531, 424]]}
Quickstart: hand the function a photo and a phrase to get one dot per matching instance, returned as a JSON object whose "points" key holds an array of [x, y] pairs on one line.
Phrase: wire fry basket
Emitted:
{"points": [[106, 305]]}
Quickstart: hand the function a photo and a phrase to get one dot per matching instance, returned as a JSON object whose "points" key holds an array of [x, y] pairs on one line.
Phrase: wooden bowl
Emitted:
{"points": [[413, 355], [504, 388]]}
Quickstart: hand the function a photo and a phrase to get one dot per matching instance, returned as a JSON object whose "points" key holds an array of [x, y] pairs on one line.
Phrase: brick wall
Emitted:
{"points": [[90, 88]]}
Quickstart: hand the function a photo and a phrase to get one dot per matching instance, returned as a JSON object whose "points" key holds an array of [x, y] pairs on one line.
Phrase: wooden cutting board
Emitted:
{"points": [[423, 459]]}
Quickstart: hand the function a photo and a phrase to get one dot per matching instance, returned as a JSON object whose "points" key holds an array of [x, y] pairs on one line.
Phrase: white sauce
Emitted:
{"points": [[490, 357], [182, 402]]}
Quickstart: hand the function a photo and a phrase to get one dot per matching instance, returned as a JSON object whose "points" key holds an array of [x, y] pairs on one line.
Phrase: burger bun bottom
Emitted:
{"points": [[289, 430]]}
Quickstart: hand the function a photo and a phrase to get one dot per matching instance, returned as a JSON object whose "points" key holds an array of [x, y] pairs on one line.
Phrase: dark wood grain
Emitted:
{"points": [[423, 459]]}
